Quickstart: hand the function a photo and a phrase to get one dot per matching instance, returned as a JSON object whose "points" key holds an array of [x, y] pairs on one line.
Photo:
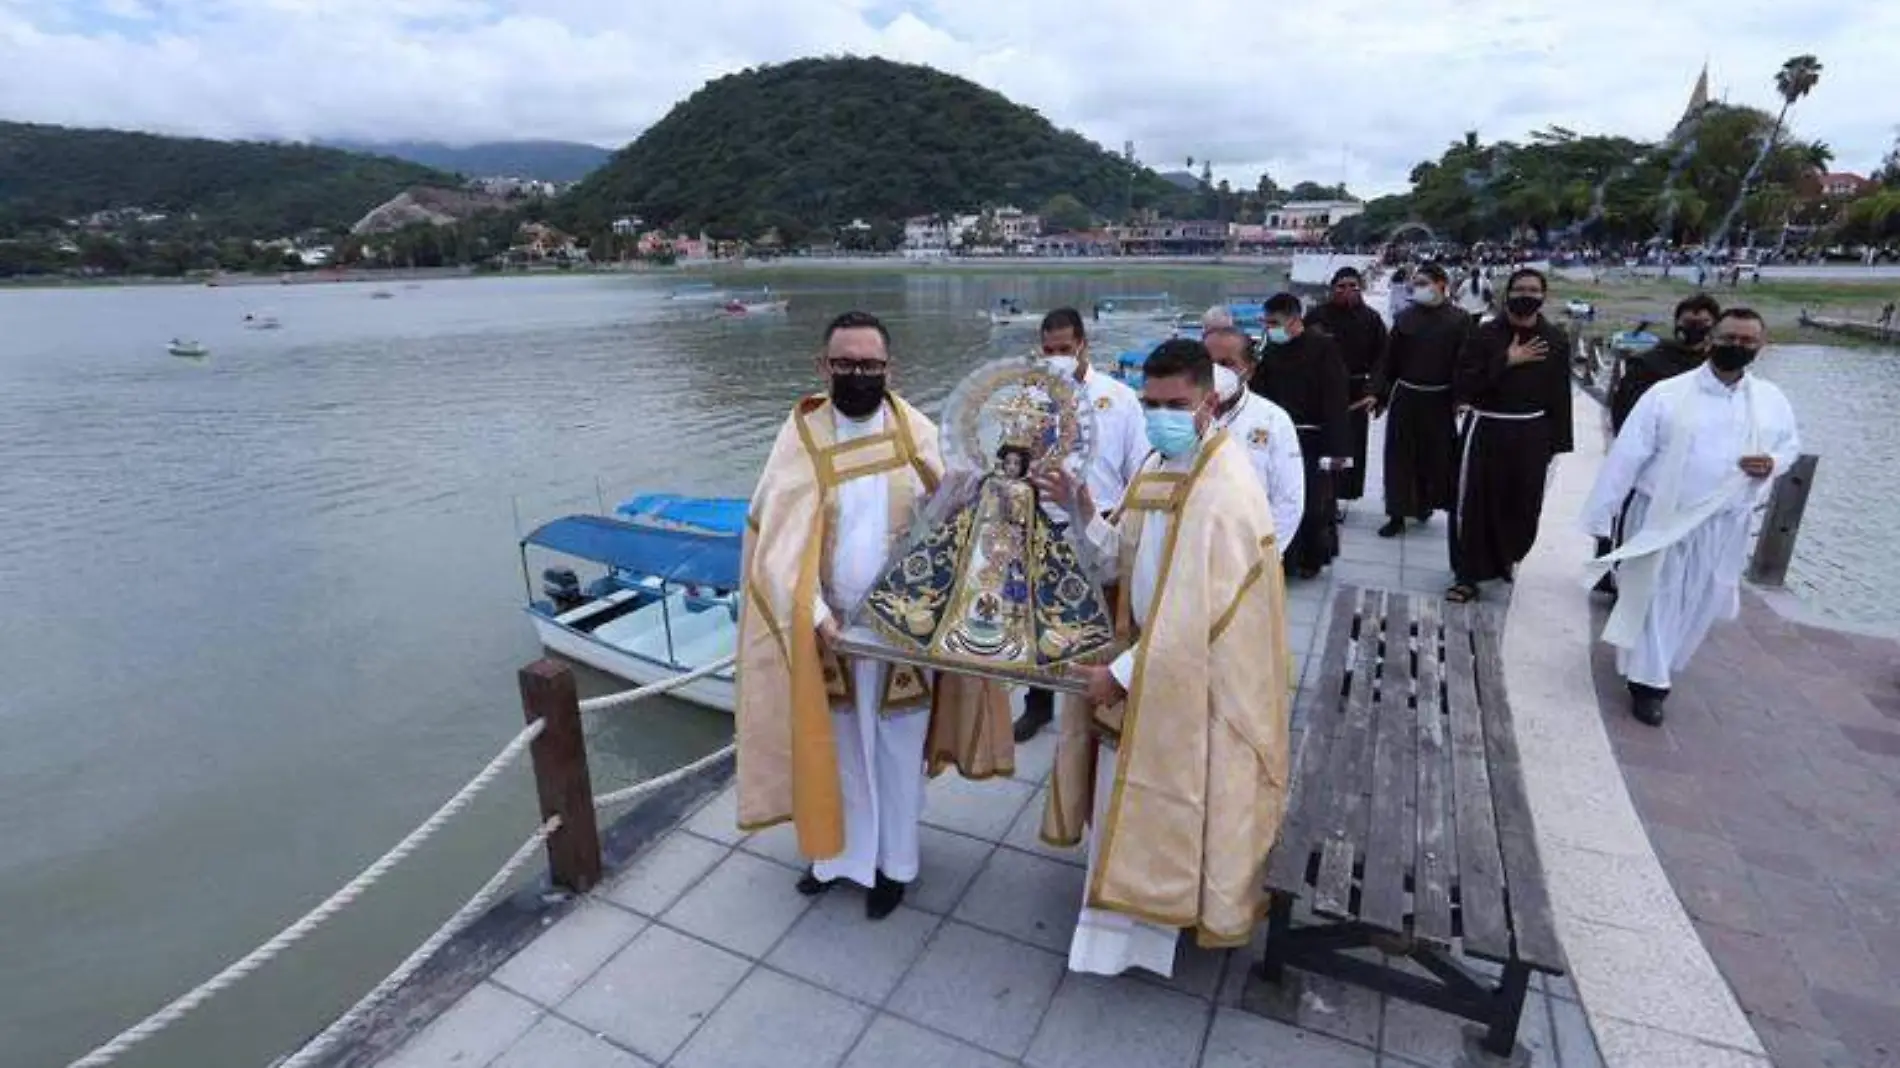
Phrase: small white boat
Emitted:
{"points": [[752, 306], [261, 322], [1009, 312], [190, 349], [666, 603]]}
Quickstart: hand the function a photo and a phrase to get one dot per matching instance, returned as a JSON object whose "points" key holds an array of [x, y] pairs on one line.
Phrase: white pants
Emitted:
{"points": [[1696, 585], [1110, 943], [881, 774]]}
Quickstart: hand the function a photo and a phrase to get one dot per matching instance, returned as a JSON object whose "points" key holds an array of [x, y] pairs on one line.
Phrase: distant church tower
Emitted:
{"points": [[1698, 101]]}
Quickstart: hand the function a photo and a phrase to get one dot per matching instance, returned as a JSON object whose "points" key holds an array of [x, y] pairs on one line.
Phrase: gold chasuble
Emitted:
{"points": [[1201, 738], [787, 763]]}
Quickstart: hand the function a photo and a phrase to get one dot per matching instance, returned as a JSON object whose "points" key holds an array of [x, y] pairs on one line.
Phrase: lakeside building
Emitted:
{"points": [[1172, 237]]}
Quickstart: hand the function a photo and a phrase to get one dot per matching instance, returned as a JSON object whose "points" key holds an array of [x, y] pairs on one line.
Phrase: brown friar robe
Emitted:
{"points": [[787, 765], [1201, 769]]}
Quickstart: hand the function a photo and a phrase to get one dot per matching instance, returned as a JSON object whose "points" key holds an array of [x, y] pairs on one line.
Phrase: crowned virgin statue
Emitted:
{"points": [[985, 582]]}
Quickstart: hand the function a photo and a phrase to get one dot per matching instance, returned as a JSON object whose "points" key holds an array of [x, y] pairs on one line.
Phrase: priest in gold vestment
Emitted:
{"points": [[837, 744], [1177, 761]]}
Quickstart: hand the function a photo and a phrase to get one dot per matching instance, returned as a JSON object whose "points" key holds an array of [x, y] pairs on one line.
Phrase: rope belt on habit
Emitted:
{"points": [[1423, 389], [1305, 426], [1516, 416]]}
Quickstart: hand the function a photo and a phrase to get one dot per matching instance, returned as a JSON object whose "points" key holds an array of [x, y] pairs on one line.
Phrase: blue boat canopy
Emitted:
{"points": [[677, 556], [717, 515]]}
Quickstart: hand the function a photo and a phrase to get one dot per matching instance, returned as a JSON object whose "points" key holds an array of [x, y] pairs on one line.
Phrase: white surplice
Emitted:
{"points": [[880, 758], [1108, 942], [1121, 437], [1273, 444], [1687, 531]]}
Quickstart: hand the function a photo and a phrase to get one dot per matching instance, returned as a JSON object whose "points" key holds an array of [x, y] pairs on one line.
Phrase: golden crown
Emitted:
{"points": [[1022, 419]]}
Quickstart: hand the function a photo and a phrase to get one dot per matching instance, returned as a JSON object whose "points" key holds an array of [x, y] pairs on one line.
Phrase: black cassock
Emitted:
{"points": [[1421, 435], [1360, 334], [1519, 418], [1306, 377], [1636, 374]]}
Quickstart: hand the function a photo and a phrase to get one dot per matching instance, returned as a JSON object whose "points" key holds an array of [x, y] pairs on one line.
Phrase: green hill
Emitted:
{"points": [[49, 174], [819, 142], [548, 161]]}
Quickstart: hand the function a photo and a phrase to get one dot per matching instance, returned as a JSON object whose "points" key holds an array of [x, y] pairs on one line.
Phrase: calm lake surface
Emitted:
{"points": [[260, 614]]}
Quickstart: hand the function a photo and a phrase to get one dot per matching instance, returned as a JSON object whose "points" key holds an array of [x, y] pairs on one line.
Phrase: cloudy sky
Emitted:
{"points": [[1308, 91]]}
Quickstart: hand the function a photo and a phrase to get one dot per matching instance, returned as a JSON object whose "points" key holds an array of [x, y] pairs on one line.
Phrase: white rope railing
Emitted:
{"points": [[627, 697], [477, 904], [315, 918], [659, 782]]}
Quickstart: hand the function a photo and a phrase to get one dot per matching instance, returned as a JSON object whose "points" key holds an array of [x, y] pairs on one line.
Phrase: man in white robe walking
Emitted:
{"points": [[1700, 451]]}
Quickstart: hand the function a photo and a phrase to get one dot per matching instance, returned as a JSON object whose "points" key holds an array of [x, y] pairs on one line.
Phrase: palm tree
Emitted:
{"points": [[1796, 79]]}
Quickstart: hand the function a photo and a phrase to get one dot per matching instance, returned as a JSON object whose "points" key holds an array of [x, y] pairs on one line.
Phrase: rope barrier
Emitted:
{"points": [[660, 782], [315, 918], [627, 697], [476, 905]]}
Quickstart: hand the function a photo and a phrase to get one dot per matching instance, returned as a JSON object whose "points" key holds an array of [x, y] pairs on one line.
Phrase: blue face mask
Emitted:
{"points": [[1278, 335], [1172, 433]]}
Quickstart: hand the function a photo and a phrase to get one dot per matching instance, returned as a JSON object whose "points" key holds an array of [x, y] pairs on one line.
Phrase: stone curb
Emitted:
{"points": [[1652, 992]]}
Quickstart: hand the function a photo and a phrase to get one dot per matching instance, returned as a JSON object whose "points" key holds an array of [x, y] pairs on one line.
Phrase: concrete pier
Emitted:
{"points": [[699, 953]]}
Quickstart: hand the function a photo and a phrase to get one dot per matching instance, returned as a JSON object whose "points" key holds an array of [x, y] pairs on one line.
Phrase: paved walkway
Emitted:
{"points": [[1772, 796], [702, 955]]}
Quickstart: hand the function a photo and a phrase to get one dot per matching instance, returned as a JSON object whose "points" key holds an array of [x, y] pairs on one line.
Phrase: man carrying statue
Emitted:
{"points": [[834, 743], [1176, 760]]}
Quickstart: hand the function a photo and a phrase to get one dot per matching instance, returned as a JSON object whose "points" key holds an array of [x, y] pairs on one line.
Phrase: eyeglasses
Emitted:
{"points": [[860, 368]]}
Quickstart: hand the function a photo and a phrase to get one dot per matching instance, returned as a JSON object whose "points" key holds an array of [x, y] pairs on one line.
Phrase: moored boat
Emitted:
{"points": [[188, 349], [664, 602]]}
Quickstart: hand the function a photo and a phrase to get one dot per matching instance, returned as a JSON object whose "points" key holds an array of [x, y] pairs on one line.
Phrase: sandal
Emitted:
{"points": [[1461, 593]]}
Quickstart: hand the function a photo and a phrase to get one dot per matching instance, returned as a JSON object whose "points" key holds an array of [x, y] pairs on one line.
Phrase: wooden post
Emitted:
{"points": [[560, 773], [1786, 502]]}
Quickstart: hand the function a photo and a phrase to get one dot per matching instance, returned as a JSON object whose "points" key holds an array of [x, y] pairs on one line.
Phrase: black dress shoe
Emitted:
{"points": [[883, 898], [1393, 528], [811, 885], [1646, 703], [1038, 710]]}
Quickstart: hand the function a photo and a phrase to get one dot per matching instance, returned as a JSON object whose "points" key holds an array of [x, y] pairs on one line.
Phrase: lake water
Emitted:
{"points": [[261, 613]]}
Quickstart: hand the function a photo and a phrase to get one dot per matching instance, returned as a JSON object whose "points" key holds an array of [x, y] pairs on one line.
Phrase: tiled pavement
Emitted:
{"points": [[703, 956], [1772, 796]]}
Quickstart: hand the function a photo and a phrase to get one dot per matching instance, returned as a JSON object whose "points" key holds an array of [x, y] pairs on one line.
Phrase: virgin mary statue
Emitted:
{"points": [[985, 582]]}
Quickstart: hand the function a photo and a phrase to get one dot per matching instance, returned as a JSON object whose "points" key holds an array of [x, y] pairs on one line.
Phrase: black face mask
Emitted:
{"points": [[1524, 306], [1731, 357], [1692, 334], [857, 396]]}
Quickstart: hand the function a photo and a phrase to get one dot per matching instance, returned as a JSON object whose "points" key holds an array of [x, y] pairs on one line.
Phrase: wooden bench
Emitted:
{"points": [[1408, 828]]}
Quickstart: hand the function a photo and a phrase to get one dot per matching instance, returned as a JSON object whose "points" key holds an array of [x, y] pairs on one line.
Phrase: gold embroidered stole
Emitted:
{"points": [[892, 449]]}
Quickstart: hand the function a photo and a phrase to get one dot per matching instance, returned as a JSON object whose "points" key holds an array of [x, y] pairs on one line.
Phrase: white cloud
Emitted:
{"points": [[1361, 91]]}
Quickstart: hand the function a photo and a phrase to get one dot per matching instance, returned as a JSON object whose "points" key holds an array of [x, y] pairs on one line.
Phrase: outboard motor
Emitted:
{"points": [[562, 588]]}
